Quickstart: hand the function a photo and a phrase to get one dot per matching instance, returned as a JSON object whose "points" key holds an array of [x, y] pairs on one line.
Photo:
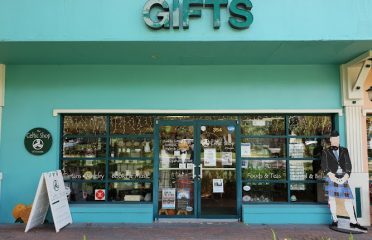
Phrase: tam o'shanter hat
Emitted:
{"points": [[334, 133]]}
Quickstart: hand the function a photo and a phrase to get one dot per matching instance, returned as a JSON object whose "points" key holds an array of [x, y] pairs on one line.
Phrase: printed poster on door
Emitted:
{"points": [[245, 149], [183, 198], [217, 185], [168, 200], [227, 158], [210, 156]]}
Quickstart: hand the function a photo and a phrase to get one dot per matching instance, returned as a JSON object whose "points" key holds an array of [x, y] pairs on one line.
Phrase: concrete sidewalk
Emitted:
{"points": [[176, 231]]}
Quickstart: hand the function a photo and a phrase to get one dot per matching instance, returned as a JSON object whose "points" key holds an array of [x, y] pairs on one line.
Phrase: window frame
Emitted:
{"points": [[286, 157], [108, 137]]}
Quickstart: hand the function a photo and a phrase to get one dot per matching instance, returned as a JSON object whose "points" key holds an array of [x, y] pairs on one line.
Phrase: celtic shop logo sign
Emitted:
{"points": [[38, 141]]}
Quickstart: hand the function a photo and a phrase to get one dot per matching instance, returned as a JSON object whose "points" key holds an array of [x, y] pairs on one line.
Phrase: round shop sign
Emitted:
{"points": [[38, 141]]}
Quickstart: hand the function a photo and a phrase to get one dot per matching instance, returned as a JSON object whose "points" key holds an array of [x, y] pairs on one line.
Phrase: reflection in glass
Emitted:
{"points": [[262, 125], [369, 143], [229, 183], [84, 147], [84, 191], [200, 117], [176, 184], [369, 125], [84, 170], [179, 182], [130, 192], [120, 147], [305, 170], [132, 124], [307, 147], [369, 146], [130, 169], [218, 175], [265, 170], [266, 147], [217, 145], [266, 192], [177, 146], [310, 125], [308, 192], [84, 124]]}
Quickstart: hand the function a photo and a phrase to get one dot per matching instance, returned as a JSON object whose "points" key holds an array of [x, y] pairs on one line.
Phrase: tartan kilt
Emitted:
{"points": [[338, 191]]}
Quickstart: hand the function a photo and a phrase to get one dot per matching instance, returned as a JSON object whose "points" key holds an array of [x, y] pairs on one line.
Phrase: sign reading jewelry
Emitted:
{"points": [[38, 141], [158, 14]]}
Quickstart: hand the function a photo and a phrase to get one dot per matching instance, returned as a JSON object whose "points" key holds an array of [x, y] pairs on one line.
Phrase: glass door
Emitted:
{"points": [[197, 164], [217, 167], [176, 186]]}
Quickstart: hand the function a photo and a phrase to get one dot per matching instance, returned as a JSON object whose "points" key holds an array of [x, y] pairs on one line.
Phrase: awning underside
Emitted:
{"points": [[182, 53]]}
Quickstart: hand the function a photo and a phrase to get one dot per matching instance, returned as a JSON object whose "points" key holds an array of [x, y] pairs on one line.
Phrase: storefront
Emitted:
{"points": [[216, 119], [196, 166]]}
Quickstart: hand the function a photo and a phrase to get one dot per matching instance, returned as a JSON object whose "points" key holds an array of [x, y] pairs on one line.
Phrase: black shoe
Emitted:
{"points": [[334, 224], [357, 226]]}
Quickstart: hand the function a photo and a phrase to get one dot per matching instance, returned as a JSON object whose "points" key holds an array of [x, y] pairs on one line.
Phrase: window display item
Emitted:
{"points": [[147, 148], [246, 188], [168, 198], [147, 197], [210, 155], [133, 198]]}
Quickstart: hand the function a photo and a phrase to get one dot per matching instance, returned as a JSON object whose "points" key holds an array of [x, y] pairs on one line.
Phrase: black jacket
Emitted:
{"points": [[329, 162]]}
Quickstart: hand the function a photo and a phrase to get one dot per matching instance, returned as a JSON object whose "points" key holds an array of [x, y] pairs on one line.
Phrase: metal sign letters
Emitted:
{"points": [[158, 14]]}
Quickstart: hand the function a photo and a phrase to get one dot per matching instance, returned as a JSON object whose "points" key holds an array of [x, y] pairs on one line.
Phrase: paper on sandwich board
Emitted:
{"points": [[50, 192]]}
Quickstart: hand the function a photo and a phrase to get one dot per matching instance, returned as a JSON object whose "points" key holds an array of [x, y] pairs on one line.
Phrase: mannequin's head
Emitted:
{"points": [[334, 139]]}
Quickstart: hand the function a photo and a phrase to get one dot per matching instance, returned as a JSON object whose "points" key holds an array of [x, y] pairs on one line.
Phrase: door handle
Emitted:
{"points": [[201, 171], [193, 171]]}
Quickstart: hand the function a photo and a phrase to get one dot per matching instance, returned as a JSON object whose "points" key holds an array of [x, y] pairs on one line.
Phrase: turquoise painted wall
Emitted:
{"points": [[120, 20], [291, 214], [32, 92], [115, 213]]}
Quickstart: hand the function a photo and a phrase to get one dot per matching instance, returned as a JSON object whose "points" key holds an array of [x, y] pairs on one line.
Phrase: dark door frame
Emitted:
{"points": [[197, 191]]}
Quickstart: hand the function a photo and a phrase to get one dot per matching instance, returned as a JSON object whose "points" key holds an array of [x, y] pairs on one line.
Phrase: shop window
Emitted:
{"points": [[267, 192], [84, 125], [309, 125], [131, 124], [266, 147], [199, 117], [257, 125], [369, 149], [265, 170], [108, 158], [281, 157], [81, 147]]}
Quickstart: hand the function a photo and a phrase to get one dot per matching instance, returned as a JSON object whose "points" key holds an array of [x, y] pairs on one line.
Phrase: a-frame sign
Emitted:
{"points": [[50, 192]]}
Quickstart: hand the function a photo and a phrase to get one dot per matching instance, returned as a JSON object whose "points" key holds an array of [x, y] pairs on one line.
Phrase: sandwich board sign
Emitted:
{"points": [[50, 192]]}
